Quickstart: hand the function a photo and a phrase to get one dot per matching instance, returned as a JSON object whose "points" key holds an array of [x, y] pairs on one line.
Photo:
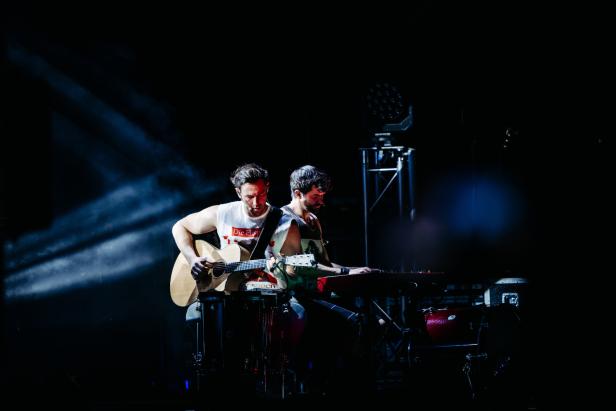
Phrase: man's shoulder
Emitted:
{"points": [[230, 209], [312, 218], [288, 210], [229, 205], [288, 213], [286, 219]]}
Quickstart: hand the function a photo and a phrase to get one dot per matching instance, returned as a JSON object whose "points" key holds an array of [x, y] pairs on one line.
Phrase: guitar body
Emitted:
{"points": [[184, 289]]}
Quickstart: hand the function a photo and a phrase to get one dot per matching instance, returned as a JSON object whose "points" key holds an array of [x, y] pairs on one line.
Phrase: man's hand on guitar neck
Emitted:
{"points": [[200, 266], [277, 264]]}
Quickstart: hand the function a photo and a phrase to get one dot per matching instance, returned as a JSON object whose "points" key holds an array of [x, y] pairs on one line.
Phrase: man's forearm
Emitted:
{"points": [[334, 269], [184, 241]]}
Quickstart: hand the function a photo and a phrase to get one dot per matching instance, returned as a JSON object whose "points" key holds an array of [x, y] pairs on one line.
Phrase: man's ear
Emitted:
{"points": [[297, 193], [238, 192]]}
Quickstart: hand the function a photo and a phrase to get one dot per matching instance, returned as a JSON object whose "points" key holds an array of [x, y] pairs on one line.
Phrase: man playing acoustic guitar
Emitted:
{"points": [[238, 223]]}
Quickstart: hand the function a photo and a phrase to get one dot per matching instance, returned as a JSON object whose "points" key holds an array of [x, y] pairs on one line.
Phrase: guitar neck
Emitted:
{"points": [[246, 265]]}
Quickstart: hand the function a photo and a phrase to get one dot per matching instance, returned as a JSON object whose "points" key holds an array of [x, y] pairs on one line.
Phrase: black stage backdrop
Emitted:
{"points": [[116, 122]]}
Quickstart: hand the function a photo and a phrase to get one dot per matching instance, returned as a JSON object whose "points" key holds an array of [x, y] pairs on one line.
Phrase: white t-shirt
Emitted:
{"points": [[235, 226]]}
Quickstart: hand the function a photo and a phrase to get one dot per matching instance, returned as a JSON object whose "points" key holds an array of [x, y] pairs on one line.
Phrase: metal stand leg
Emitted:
{"points": [[404, 333], [207, 358]]}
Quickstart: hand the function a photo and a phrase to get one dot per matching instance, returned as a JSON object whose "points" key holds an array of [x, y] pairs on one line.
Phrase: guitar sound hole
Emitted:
{"points": [[217, 272]]}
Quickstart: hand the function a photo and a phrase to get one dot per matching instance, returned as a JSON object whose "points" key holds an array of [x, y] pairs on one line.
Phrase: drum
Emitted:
{"points": [[454, 327], [479, 348], [242, 340], [261, 334], [253, 318]]}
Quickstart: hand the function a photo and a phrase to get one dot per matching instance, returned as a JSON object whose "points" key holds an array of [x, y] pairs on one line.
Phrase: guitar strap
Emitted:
{"points": [[271, 222]]}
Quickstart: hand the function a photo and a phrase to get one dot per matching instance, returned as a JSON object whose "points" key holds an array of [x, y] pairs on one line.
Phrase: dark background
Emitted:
{"points": [[100, 99]]}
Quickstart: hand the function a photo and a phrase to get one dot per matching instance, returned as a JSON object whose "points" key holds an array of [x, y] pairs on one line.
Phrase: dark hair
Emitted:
{"points": [[248, 173], [305, 177]]}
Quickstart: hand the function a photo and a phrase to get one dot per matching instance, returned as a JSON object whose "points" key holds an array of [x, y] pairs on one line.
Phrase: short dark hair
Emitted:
{"points": [[307, 176], [248, 173]]}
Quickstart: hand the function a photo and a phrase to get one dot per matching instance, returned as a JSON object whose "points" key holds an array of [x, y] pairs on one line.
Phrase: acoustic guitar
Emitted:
{"points": [[231, 268]]}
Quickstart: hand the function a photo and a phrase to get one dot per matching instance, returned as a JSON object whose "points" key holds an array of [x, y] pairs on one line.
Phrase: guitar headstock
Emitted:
{"points": [[300, 260]]}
